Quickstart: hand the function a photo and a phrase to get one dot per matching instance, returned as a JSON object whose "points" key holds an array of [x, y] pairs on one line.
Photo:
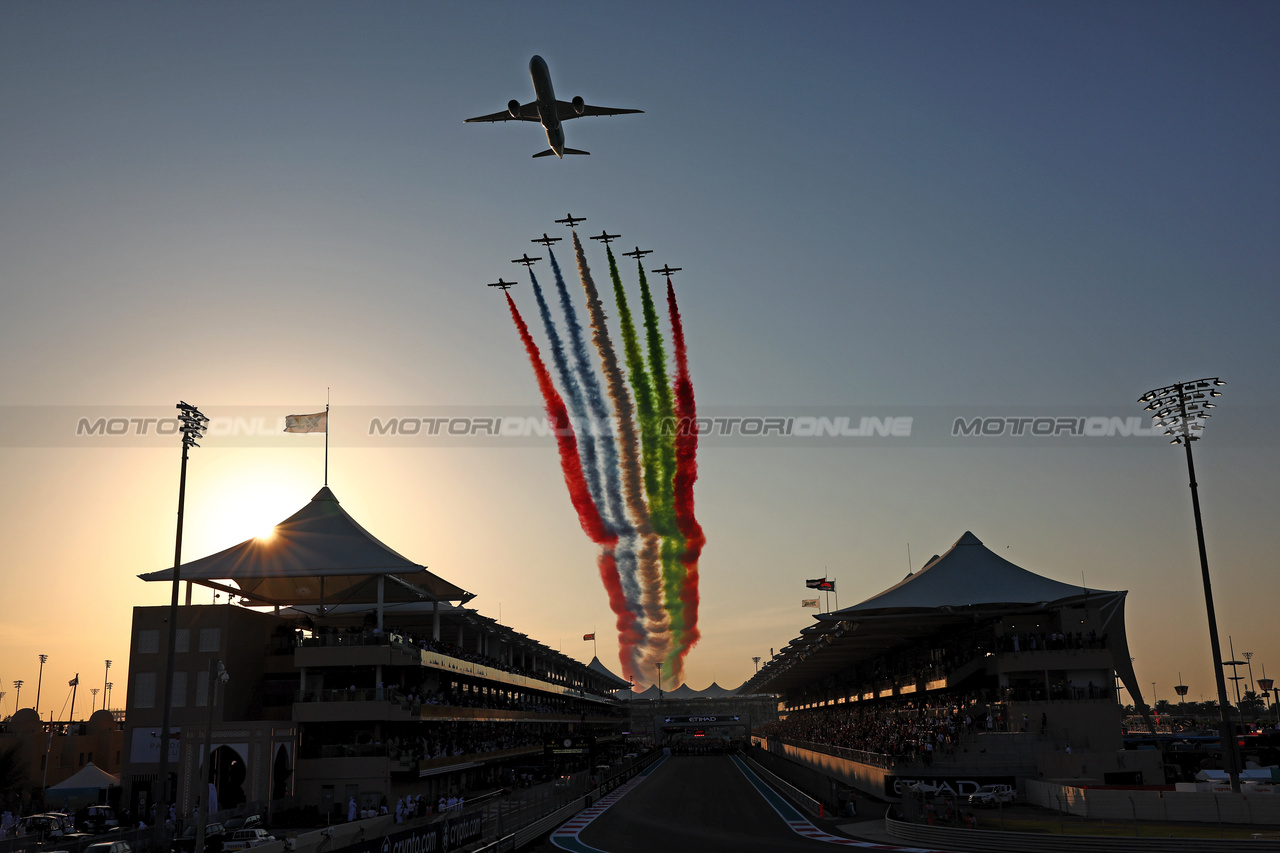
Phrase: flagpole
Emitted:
{"points": [[326, 436]]}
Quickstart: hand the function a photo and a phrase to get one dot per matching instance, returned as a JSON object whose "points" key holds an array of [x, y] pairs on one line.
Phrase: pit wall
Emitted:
{"points": [[1257, 809], [863, 777]]}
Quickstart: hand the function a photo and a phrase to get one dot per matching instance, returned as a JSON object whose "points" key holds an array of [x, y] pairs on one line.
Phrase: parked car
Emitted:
{"points": [[247, 822], [96, 819], [991, 795], [47, 825], [214, 835], [109, 847], [243, 839]]}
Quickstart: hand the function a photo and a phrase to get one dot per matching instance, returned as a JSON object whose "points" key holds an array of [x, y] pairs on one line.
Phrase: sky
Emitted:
{"points": [[880, 209]]}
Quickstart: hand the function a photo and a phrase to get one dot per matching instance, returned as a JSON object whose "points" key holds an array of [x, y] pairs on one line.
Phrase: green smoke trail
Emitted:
{"points": [[662, 505], [650, 556]]}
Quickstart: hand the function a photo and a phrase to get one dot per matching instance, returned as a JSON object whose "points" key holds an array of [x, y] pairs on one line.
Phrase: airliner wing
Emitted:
{"points": [[566, 111], [528, 112]]}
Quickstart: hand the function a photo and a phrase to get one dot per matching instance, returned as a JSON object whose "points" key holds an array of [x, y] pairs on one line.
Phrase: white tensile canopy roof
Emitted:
{"points": [[319, 555], [89, 777], [967, 582], [968, 575], [599, 667]]}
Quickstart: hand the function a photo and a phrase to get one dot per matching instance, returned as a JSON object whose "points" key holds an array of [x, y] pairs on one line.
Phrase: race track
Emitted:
{"points": [[696, 805]]}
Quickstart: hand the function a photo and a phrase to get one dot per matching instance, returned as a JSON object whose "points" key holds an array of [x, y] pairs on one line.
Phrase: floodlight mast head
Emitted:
{"points": [[193, 424], [1183, 407]]}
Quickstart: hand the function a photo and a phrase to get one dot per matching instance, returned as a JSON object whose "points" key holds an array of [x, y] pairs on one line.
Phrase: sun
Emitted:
{"points": [[253, 492]]}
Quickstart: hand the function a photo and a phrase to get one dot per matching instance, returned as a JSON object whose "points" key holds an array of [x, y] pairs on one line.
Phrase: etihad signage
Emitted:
{"points": [[705, 720], [450, 834]]}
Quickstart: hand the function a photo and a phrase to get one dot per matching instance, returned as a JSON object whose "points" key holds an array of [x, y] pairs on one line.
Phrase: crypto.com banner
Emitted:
{"points": [[716, 427]]}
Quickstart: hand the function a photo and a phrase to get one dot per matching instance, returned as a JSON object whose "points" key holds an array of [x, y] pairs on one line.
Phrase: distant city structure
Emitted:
{"points": [[970, 671]]}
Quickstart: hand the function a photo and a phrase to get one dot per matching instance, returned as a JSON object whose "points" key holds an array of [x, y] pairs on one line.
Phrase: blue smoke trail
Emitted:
{"points": [[572, 395], [614, 505]]}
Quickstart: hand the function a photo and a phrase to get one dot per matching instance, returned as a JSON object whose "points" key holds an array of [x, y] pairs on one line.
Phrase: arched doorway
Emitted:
{"points": [[280, 773], [227, 772]]}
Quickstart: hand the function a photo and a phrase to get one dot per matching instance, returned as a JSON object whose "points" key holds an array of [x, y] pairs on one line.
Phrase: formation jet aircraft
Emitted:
{"points": [[638, 253], [545, 240], [505, 285], [526, 260], [571, 220], [606, 237], [550, 112], [668, 270]]}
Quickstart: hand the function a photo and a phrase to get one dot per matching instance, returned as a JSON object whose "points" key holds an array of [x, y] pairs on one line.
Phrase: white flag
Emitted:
{"points": [[319, 422]]}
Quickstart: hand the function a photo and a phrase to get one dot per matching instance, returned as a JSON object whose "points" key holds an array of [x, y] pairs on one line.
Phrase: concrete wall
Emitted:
{"points": [[1111, 804], [863, 777]]}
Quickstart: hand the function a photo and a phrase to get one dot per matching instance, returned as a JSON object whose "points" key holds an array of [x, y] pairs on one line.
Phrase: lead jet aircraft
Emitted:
{"points": [[505, 285], [549, 111]]}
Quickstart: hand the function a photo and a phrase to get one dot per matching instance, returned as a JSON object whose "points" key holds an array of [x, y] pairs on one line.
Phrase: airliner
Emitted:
{"points": [[549, 111]]}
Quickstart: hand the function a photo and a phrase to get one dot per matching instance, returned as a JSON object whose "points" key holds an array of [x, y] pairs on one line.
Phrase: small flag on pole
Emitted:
{"points": [[319, 422], [821, 583], [809, 602], [73, 682], [588, 636]]}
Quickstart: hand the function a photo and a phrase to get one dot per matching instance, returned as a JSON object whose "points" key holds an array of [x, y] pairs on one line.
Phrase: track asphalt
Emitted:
{"points": [[697, 804]]}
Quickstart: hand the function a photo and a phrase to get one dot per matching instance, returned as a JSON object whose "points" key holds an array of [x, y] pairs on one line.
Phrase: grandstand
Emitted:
{"points": [[356, 675], [970, 671]]}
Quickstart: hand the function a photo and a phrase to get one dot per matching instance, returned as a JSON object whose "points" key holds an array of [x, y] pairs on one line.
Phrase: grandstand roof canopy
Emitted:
{"points": [[968, 582], [319, 555]]}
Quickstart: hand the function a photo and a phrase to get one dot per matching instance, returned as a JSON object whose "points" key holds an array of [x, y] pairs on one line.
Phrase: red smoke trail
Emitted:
{"points": [[579, 495], [630, 631], [686, 441]]}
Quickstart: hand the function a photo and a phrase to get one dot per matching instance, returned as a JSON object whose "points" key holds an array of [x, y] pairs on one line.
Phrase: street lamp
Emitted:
{"points": [[105, 687], [94, 691], [39, 680], [1182, 409], [192, 424], [217, 675], [1264, 683]]}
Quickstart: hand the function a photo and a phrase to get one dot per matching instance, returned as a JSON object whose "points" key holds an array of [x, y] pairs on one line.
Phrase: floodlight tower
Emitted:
{"points": [[757, 661], [17, 697], [39, 681], [1182, 408], [192, 424]]}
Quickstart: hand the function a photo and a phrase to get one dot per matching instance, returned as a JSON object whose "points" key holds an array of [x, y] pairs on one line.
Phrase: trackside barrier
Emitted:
{"points": [[510, 840], [806, 802], [990, 841], [1197, 806]]}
